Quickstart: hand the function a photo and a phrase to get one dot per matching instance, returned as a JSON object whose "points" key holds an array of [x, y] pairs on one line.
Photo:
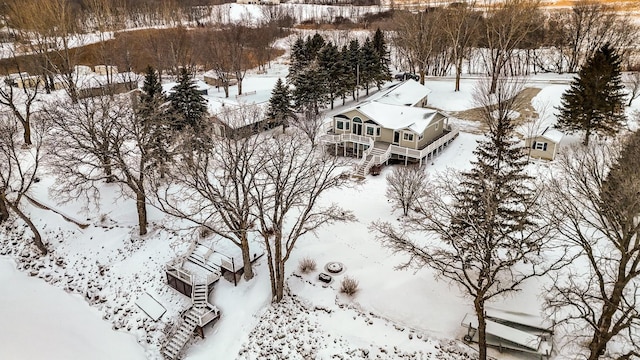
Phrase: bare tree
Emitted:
{"points": [[508, 24], [590, 25], [482, 227], [82, 153], [461, 25], [632, 81], [211, 186], [18, 171], [309, 122], [20, 101], [104, 139], [406, 187], [421, 37], [595, 199], [287, 196]]}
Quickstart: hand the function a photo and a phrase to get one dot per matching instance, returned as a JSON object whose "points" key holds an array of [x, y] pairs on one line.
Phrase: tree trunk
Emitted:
{"points": [[458, 73], [141, 206], [27, 132], [272, 273], [603, 334], [4, 212], [482, 328], [239, 85], [246, 257], [37, 239], [587, 135], [280, 281]]}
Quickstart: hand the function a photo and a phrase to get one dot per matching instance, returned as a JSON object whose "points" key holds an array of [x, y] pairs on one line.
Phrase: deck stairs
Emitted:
{"points": [[182, 335], [375, 156], [201, 260], [199, 298]]}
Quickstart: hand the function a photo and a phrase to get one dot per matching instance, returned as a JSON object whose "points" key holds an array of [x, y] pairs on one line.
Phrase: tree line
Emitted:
{"points": [[513, 37]]}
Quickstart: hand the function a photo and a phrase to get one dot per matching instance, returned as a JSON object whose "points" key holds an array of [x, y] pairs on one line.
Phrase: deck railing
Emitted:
{"points": [[211, 314], [179, 273]]}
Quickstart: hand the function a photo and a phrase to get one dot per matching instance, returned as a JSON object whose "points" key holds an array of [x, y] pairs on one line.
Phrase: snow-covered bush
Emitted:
{"points": [[349, 286], [307, 265]]}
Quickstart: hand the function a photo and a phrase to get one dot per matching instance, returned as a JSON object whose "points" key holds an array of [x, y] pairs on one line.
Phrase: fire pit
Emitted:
{"points": [[334, 267]]}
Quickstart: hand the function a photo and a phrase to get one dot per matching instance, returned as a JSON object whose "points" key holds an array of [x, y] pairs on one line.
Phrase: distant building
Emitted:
{"points": [[544, 145]]}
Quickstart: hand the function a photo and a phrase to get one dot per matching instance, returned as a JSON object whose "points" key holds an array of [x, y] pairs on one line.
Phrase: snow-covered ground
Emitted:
{"points": [[395, 314]]}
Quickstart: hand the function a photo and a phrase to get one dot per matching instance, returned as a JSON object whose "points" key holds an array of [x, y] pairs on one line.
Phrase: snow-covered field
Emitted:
{"points": [[395, 314]]}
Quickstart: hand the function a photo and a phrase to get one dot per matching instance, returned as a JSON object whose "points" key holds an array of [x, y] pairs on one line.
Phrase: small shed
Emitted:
{"points": [[544, 145]]}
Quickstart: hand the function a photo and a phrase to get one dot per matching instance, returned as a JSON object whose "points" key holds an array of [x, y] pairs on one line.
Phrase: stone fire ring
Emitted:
{"points": [[334, 268]]}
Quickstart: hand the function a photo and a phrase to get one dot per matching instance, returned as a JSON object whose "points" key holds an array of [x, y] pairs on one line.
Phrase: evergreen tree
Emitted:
{"points": [[332, 68], [380, 45], [347, 81], [151, 110], [299, 60], [280, 104], [595, 101], [309, 91], [313, 45], [187, 106], [353, 61], [370, 65]]}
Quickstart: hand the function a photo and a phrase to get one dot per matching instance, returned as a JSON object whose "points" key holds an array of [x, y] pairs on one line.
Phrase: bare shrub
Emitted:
{"points": [[349, 286], [307, 265]]}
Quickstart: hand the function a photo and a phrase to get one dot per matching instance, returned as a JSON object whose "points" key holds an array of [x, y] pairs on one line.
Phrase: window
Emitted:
{"points": [[346, 125], [378, 131], [357, 120], [339, 125], [370, 130], [407, 137], [420, 137], [540, 146]]}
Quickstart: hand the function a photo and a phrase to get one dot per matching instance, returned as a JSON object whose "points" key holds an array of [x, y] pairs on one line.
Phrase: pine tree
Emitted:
{"points": [[152, 111], [309, 91], [313, 45], [353, 61], [280, 104], [595, 101], [346, 81], [298, 61], [380, 45], [370, 65], [187, 105], [331, 67]]}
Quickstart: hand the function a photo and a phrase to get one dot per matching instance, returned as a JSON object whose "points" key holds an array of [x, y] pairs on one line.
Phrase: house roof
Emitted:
{"points": [[398, 116], [550, 134], [406, 93]]}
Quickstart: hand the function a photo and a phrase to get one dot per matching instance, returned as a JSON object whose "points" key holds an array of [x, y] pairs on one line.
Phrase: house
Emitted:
{"points": [[544, 145], [393, 124], [240, 121]]}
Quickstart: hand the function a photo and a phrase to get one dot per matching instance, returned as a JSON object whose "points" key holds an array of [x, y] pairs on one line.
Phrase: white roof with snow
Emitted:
{"points": [[550, 134], [406, 93], [398, 116]]}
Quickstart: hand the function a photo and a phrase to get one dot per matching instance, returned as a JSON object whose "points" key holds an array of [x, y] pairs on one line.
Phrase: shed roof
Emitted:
{"points": [[406, 93], [550, 134]]}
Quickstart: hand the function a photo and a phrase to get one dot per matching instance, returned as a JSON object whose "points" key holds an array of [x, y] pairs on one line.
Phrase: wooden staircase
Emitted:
{"points": [[375, 157], [193, 318], [182, 335], [201, 261]]}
